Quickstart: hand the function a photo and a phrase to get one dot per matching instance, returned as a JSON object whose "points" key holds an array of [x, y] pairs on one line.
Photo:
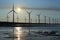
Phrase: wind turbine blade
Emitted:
{"points": [[28, 12], [31, 11], [15, 12], [13, 6], [10, 11]]}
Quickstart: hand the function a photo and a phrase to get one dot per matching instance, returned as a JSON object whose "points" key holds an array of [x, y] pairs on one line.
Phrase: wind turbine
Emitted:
{"points": [[25, 19], [7, 18], [49, 20], [29, 15], [13, 17], [39, 17], [17, 19], [13, 12]]}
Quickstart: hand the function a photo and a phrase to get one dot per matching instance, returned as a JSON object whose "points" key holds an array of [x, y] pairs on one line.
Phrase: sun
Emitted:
{"points": [[18, 9]]}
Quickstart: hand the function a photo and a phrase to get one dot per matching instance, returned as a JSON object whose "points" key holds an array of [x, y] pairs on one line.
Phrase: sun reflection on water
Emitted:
{"points": [[18, 32]]}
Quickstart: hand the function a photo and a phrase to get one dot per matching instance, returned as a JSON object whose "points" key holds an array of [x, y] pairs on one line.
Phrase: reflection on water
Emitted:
{"points": [[22, 33], [18, 32]]}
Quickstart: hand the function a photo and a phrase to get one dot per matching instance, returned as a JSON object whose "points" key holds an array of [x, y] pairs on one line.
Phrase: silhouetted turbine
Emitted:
{"points": [[29, 15], [38, 18], [12, 11], [17, 19], [7, 18]]}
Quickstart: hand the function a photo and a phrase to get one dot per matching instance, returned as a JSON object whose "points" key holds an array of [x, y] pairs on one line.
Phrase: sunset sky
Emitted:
{"points": [[6, 6]]}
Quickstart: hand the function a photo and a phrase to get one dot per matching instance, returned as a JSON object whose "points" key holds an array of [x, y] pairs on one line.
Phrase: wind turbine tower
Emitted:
{"points": [[13, 12]]}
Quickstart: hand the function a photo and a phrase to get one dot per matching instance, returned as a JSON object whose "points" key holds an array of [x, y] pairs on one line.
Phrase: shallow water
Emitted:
{"points": [[22, 33]]}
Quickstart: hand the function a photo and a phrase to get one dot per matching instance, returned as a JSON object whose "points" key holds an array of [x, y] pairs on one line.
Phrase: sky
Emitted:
{"points": [[6, 6]]}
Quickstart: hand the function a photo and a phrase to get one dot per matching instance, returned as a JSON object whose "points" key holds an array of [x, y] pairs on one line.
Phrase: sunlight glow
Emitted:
{"points": [[18, 32], [18, 9]]}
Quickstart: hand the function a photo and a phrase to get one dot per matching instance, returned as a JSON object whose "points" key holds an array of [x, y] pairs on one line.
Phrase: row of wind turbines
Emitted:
{"points": [[30, 20]]}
